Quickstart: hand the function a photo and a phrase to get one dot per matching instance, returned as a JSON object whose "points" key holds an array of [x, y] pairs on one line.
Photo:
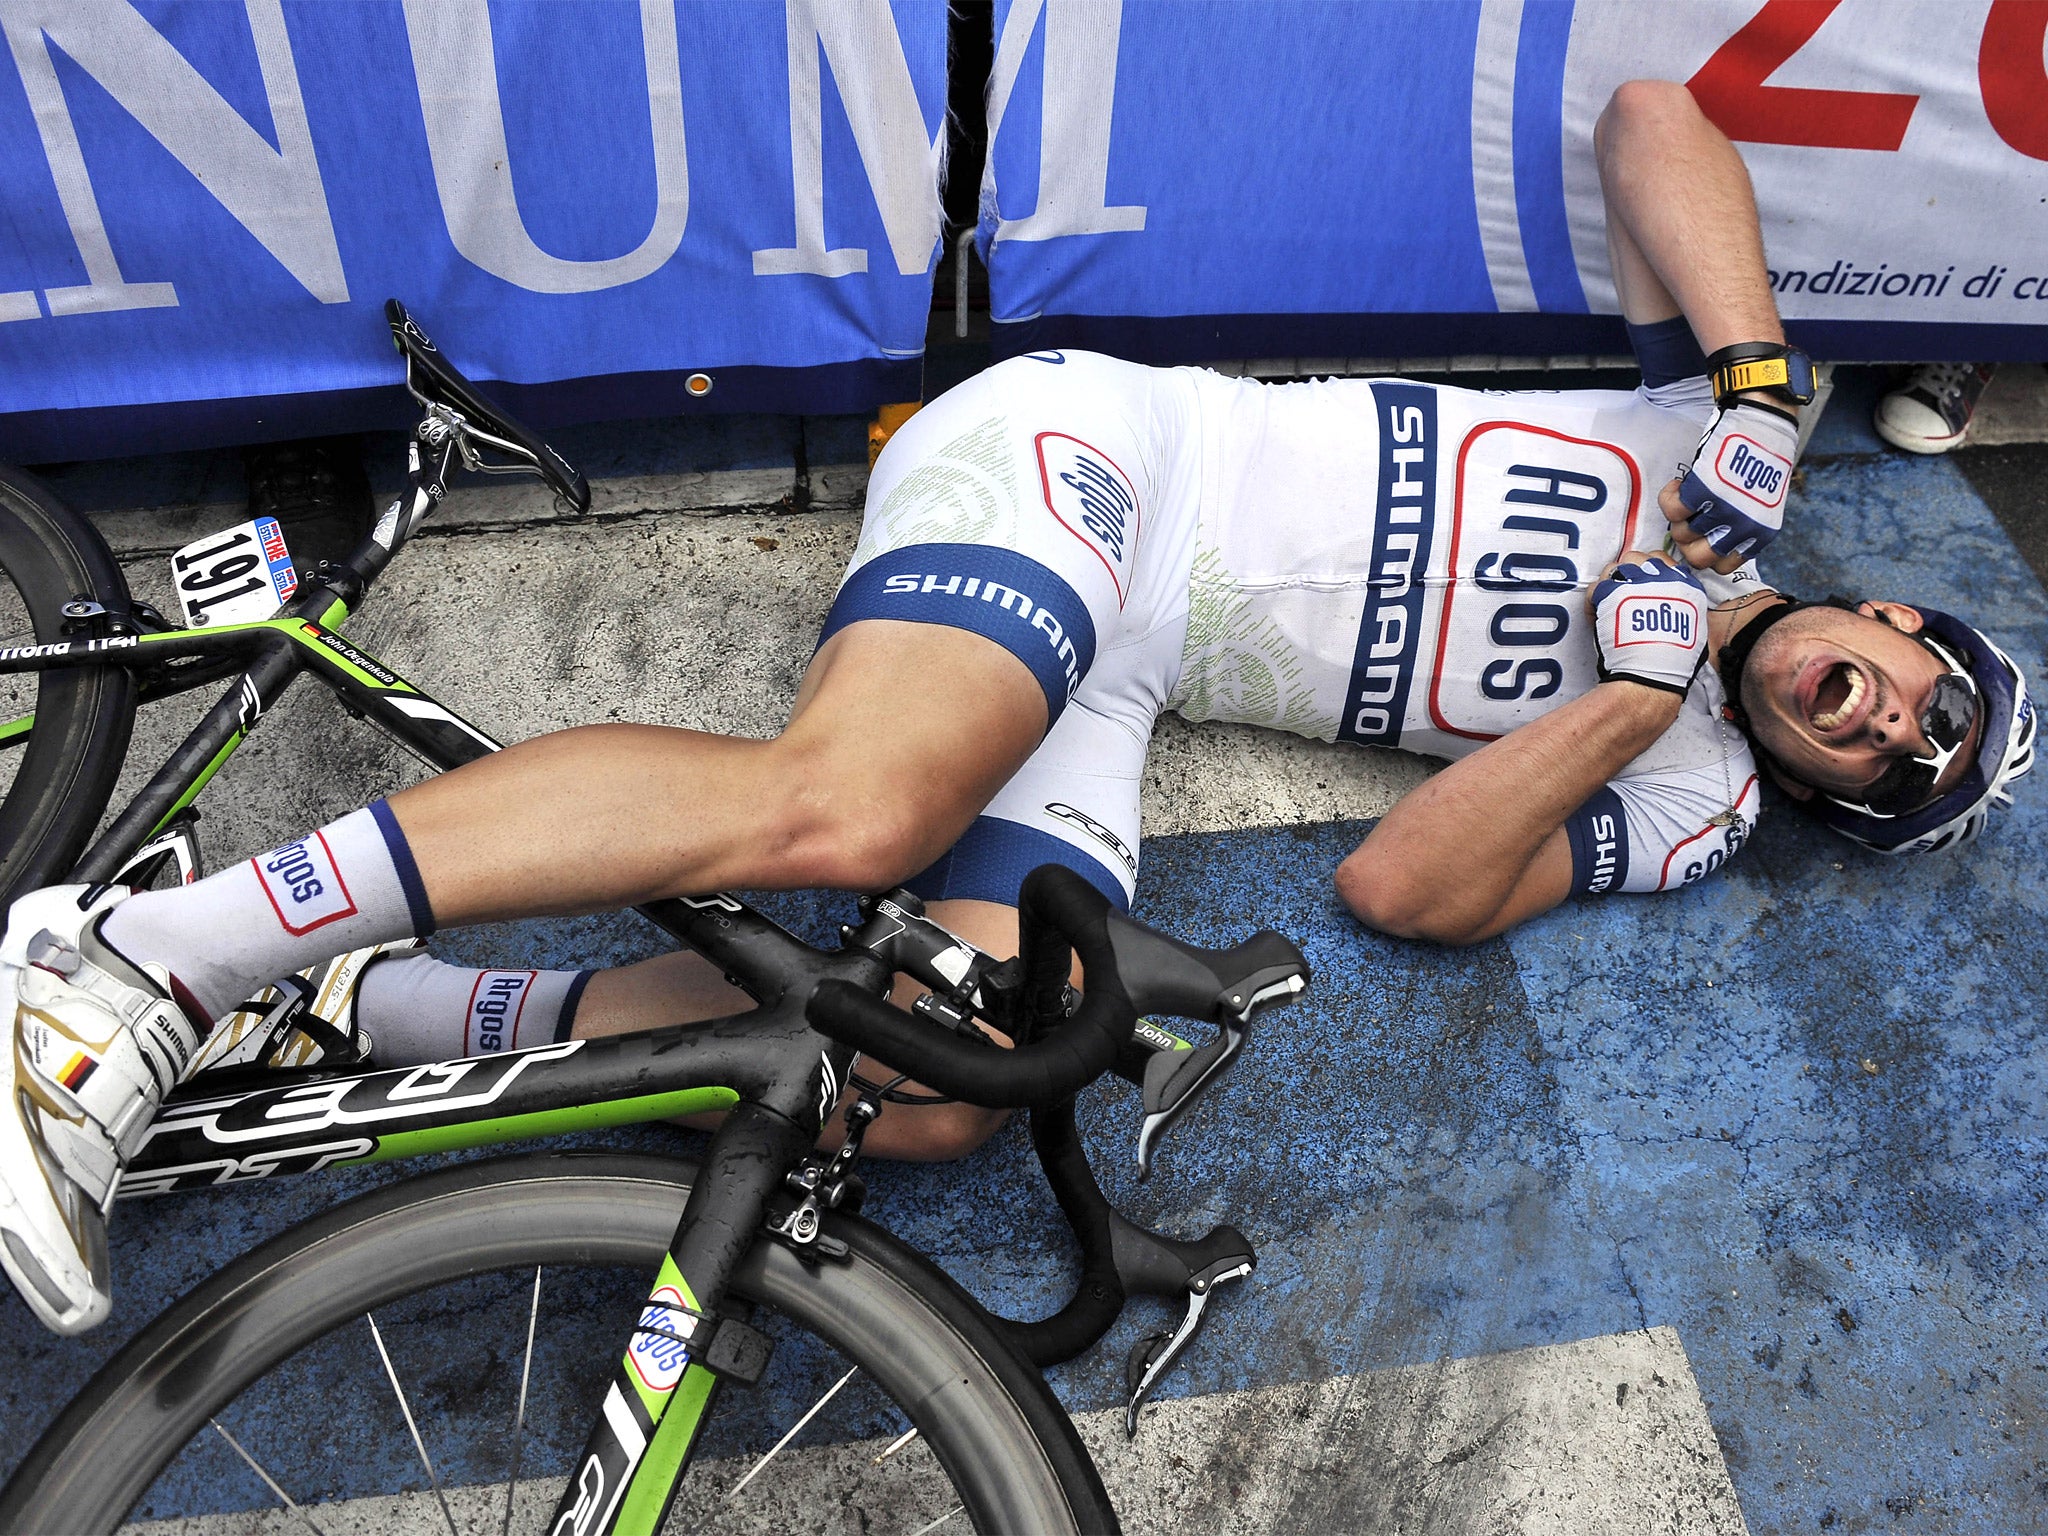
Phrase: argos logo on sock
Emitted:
{"points": [[305, 888], [495, 1003]]}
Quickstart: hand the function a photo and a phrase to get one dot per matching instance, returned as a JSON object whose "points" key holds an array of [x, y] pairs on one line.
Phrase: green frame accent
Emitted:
{"points": [[303, 633], [206, 774], [550, 1122], [677, 1414], [661, 1464]]}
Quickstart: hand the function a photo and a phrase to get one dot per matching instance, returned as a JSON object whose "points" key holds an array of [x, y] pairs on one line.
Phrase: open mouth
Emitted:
{"points": [[1835, 700]]}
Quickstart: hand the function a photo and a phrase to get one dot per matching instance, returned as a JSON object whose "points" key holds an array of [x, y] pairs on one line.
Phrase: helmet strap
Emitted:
{"points": [[1735, 656]]}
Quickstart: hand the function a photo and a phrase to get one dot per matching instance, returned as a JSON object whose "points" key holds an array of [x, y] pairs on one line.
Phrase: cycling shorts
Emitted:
{"points": [[1048, 504]]}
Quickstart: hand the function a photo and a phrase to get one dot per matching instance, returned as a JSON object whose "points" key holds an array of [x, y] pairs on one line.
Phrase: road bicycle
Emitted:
{"points": [[771, 1297]]}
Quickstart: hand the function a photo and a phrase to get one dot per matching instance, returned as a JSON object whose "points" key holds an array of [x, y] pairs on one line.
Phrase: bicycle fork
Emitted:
{"points": [[662, 1390]]}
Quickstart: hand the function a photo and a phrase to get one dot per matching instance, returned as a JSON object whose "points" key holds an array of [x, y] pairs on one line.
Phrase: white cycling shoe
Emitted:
{"points": [[97, 1043]]}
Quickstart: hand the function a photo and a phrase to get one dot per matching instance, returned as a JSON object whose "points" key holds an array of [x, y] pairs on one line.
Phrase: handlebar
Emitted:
{"points": [[1058, 913], [1127, 969]]}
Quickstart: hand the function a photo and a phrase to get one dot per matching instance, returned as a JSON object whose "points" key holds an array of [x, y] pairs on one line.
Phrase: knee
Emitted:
{"points": [[952, 1131], [858, 847], [830, 823]]}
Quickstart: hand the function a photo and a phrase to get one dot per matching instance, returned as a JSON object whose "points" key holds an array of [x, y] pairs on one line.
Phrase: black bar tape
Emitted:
{"points": [[1099, 1298], [1057, 910]]}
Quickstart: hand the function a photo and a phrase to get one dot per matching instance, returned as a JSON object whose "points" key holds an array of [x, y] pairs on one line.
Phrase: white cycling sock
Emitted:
{"points": [[417, 1009], [347, 886]]}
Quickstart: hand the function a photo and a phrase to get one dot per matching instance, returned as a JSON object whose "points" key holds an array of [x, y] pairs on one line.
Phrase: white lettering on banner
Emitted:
{"points": [[455, 66], [277, 195], [865, 52], [1077, 98]]}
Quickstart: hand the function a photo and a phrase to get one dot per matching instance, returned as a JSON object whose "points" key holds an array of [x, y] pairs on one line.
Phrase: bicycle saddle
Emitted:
{"points": [[433, 379]]}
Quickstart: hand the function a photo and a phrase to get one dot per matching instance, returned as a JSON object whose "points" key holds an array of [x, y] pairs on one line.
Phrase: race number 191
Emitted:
{"points": [[235, 576]]}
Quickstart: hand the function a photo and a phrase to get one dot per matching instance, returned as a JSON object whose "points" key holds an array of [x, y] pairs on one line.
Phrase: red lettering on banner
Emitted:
{"points": [[2012, 76], [1731, 91]]}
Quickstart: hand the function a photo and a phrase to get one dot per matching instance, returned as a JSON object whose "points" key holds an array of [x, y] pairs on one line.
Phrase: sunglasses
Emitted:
{"points": [[1908, 784]]}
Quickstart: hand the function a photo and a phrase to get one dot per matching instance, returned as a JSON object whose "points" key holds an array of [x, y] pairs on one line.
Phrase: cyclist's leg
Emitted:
{"points": [[857, 792], [973, 609], [683, 988], [903, 731]]}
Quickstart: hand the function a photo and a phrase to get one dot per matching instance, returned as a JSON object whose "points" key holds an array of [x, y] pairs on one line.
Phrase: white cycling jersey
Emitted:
{"points": [[1407, 565], [1374, 561]]}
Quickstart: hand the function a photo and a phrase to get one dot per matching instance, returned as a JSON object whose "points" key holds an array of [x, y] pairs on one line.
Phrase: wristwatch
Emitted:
{"points": [[1768, 366]]}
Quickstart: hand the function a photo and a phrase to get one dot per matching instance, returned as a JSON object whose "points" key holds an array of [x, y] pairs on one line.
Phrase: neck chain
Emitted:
{"points": [[1730, 816]]}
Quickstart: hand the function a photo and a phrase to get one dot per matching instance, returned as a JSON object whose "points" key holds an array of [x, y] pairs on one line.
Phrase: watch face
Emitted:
{"points": [[1800, 383]]}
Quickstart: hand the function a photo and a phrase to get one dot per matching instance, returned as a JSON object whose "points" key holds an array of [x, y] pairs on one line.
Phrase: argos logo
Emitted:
{"points": [[1644, 620], [304, 887], [495, 1005], [1755, 468], [1093, 500], [660, 1348]]}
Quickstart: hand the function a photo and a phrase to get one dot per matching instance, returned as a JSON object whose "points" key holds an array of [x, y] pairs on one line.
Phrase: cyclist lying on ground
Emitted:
{"points": [[1055, 552]]}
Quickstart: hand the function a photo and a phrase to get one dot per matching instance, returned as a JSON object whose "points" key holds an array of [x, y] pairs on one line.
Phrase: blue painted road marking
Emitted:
{"points": [[1565, 1134]]}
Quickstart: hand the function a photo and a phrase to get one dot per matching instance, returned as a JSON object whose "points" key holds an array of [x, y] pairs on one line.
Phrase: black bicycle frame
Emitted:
{"points": [[776, 1078]]}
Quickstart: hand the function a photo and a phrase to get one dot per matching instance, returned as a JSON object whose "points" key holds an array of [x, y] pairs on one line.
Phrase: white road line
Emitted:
{"points": [[1600, 1437]]}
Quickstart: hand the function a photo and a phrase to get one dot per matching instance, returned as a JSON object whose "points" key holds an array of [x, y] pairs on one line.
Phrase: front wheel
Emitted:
{"points": [[55, 775], [468, 1319]]}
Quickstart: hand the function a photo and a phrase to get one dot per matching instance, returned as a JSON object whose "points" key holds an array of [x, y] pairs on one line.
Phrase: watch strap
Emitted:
{"points": [[1768, 366]]}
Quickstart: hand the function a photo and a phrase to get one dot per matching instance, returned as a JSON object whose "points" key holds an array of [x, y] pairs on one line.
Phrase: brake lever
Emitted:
{"points": [[1156, 1354], [1174, 1080]]}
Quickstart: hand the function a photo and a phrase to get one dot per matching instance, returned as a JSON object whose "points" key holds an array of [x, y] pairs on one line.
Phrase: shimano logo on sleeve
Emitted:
{"points": [[304, 887], [1605, 833], [1755, 468], [1023, 606], [1598, 834]]}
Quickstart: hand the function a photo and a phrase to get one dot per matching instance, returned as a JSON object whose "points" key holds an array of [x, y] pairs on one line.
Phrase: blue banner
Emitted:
{"points": [[206, 204], [1189, 180]]}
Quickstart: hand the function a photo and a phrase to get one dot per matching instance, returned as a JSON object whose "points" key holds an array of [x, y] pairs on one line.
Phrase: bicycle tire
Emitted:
{"points": [[83, 715], [997, 1432]]}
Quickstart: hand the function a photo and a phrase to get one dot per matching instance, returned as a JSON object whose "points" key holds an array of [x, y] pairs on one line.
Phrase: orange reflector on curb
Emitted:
{"points": [[884, 426]]}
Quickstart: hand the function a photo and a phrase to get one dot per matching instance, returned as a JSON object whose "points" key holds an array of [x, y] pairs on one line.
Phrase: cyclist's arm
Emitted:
{"points": [[1482, 846], [1682, 227], [1683, 241]]}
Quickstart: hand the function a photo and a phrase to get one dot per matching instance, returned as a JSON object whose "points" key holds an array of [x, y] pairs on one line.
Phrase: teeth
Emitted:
{"points": [[1829, 719]]}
